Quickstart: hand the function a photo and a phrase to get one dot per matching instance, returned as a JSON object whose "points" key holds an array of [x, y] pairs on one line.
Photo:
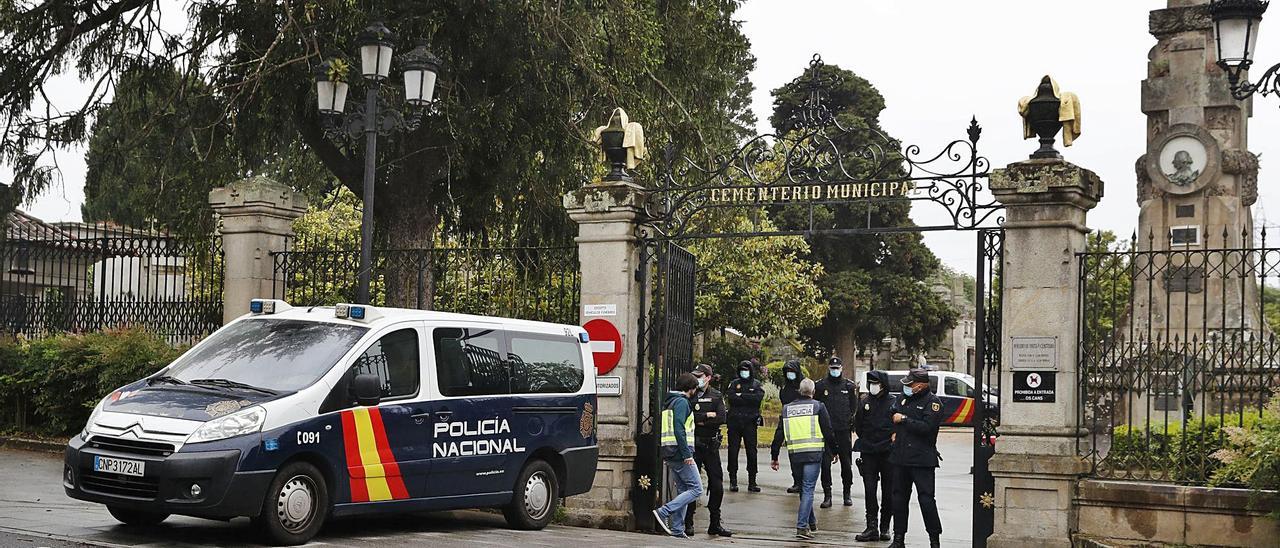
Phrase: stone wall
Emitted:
{"points": [[1115, 513]]}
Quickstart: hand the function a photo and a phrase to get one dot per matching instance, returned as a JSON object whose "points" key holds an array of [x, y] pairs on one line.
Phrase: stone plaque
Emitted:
{"points": [[1183, 159], [1035, 386], [1034, 353], [1184, 279]]}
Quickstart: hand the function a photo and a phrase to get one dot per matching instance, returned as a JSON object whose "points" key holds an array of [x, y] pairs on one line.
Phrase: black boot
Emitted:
{"points": [[733, 483], [898, 542], [793, 489], [870, 533], [848, 499], [935, 541], [718, 530], [751, 484], [884, 528], [826, 500]]}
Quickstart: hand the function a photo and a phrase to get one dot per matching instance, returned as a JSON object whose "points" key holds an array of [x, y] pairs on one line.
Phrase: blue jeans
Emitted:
{"points": [[808, 479], [690, 488]]}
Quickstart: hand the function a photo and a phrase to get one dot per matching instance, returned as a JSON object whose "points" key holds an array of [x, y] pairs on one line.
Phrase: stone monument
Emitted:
{"points": [[1196, 182]]}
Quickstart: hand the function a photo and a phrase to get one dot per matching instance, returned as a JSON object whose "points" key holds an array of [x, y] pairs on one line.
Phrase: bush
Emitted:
{"points": [[60, 379], [1172, 451], [1252, 456]]}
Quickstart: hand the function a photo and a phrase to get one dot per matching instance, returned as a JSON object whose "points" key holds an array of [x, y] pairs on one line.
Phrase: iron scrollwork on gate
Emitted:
{"points": [[815, 160]]}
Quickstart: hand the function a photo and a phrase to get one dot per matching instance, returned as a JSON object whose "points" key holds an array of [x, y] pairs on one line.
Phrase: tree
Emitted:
{"points": [[522, 85], [1109, 286], [875, 283]]}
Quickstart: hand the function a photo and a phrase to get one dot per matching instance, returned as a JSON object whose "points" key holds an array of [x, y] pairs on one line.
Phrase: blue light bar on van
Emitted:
{"points": [[358, 312], [268, 306], [584, 337]]}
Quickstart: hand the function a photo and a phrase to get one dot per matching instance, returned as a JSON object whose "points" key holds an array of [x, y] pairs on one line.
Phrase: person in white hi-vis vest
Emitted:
{"points": [[806, 428]]}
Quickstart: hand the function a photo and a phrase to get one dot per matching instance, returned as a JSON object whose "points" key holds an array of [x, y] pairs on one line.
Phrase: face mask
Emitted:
{"points": [[744, 374], [835, 372], [791, 376], [906, 389], [874, 389], [702, 382]]}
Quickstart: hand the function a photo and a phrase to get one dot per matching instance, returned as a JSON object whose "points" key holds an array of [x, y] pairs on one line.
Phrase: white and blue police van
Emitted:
{"points": [[291, 415]]}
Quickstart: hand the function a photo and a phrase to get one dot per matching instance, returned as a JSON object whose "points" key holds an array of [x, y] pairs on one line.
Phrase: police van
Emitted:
{"points": [[292, 415], [956, 390]]}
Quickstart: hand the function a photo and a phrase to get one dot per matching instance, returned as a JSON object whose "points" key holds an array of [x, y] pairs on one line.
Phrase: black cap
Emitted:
{"points": [[835, 362], [702, 369], [745, 365], [916, 375]]}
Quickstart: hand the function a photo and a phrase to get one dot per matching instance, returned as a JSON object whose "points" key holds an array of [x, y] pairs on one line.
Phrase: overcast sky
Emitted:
{"points": [[939, 62]]}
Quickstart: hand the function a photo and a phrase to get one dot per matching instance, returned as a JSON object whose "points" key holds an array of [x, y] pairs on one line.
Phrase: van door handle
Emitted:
{"points": [[443, 416]]}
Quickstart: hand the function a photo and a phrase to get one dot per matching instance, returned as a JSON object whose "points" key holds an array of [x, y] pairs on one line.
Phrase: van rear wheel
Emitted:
{"points": [[536, 497], [130, 516], [295, 505]]}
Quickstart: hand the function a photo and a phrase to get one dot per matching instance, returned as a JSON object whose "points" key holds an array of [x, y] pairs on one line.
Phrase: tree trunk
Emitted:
{"points": [[846, 347], [410, 225]]}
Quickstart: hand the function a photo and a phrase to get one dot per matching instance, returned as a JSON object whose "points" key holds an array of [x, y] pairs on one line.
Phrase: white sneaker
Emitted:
{"points": [[661, 521]]}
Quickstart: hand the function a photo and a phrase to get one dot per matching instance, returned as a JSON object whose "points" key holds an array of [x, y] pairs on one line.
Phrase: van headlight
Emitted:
{"points": [[244, 421], [93, 418]]}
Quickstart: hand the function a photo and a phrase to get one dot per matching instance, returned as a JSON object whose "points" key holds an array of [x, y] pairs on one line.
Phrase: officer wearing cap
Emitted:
{"points": [[708, 415], [840, 396], [874, 426], [916, 415]]}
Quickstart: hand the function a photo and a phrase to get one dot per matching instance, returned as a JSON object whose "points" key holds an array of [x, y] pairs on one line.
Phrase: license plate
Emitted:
{"points": [[118, 466]]}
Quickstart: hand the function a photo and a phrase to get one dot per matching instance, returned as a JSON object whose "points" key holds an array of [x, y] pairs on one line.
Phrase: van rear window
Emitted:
{"points": [[545, 365]]}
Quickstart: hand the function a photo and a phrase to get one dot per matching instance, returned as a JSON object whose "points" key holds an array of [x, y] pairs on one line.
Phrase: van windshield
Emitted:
{"points": [[279, 355]]}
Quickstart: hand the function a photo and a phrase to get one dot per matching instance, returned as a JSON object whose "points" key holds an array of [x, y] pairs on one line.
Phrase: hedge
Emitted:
{"points": [[49, 386], [1174, 451]]}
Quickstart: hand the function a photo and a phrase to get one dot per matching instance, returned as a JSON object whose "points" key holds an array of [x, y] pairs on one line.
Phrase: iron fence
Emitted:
{"points": [[1174, 350], [532, 283], [77, 277]]}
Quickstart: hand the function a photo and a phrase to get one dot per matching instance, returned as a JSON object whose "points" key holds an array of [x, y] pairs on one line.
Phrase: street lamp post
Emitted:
{"points": [[376, 43], [1235, 30]]}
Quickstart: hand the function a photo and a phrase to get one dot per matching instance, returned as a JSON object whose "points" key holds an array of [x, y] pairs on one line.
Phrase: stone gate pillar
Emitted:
{"points": [[1035, 465], [257, 218], [609, 248]]}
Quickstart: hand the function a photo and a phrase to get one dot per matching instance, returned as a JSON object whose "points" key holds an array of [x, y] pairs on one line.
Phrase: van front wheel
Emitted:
{"points": [[295, 506], [537, 494]]}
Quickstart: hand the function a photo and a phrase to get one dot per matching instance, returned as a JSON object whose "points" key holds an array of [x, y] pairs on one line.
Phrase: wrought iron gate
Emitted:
{"points": [[667, 343], [815, 162]]}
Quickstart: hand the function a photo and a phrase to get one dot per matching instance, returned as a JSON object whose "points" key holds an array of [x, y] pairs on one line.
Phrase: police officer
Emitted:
{"points": [[677, 452], [916, 415], [840, 396], [792, 374], [708, 415], [806, 427], [874, 424], [745, 395]]}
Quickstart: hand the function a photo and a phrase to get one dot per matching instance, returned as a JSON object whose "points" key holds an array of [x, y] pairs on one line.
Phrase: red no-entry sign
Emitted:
{"points": [[606, 344]]}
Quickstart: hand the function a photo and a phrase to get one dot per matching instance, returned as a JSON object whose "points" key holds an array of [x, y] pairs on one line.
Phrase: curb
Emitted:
{"points": [[29, 444]]}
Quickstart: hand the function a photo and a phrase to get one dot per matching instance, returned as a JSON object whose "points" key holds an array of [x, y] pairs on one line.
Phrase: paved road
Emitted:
{"points": [[34, 512]]}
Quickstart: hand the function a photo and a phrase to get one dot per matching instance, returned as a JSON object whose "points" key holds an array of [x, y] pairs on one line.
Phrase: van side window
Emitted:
{"points": [[933, 385], [395, 360], [957, 387], [543, 364], [469, 362]]}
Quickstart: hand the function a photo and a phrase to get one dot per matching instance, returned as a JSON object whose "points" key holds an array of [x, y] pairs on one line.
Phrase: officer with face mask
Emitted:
{"points": [[916, 415], [874, 424], [840, 396], [708, 415], [745, 395]]}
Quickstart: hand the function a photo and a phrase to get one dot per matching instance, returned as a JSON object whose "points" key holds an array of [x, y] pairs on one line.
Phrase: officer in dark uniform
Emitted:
{"points": [[745, 395], [874, 424], [840, 396], [916, 415], [708, 415]]}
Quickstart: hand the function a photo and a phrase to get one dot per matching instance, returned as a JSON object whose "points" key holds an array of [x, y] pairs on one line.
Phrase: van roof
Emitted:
{"points": [[383, 315]]}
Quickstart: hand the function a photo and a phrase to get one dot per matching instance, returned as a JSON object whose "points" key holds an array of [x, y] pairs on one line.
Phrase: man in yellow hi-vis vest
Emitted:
{"points": [[677, 451], [806, 427]]}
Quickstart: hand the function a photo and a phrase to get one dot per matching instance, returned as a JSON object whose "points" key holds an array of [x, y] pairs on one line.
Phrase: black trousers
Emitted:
{"points": [[742, 433], [706, 453], [876, 469], [903, 478], [844, 448]]}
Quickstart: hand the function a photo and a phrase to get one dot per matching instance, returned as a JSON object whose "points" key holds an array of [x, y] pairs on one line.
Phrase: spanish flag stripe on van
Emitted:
{"points": [[963, 411], [374, 474], [352, 447]]}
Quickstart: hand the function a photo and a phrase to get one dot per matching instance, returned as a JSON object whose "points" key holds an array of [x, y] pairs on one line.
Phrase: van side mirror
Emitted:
{"points": [[367, 389]]}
